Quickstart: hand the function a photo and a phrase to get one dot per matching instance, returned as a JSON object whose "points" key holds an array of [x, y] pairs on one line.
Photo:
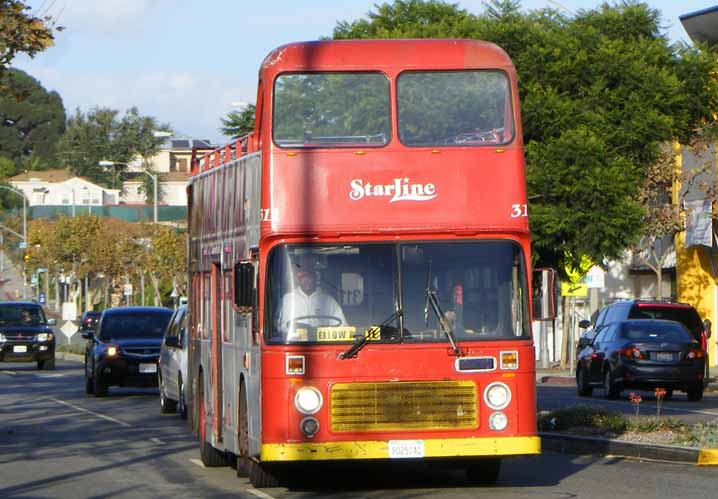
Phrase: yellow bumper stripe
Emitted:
{"points": [[379, 449], [708, 457]]}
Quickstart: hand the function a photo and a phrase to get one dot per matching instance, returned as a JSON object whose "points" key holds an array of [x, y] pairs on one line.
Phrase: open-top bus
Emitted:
{"points": [[359, 264]]}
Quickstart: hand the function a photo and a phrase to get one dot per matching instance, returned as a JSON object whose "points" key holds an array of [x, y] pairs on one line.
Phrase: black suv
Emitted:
{"points": [[649, 309], [125, 348], [25, 335]]}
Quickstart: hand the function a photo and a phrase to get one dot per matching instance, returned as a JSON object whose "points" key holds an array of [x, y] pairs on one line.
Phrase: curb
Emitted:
{"points": [[73, 357], [574, 444]]}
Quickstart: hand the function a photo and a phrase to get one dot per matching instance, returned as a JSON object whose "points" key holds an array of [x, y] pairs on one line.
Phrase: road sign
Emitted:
{"points": [[596, 278], [33, 280], [22, 245], [579, 289], [41, 298], [127, 290]]}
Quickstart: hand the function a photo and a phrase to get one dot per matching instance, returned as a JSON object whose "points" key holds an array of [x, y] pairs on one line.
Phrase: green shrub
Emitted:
{"points": [[652, 423], [589, 418], [701, 435]]}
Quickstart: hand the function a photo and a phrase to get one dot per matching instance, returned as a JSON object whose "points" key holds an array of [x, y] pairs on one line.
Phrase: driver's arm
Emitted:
{"points": [[338, 312]]}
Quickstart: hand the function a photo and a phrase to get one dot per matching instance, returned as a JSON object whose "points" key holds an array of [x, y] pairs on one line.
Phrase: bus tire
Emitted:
{"points": [[483, 471], [243, 464], [260, 477], [210, 457]]}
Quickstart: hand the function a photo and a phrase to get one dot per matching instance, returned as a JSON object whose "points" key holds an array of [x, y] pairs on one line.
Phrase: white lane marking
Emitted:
{"points": [[259, 493], [12, 373], [93, 413], [197, 462], [52, 375], [157, 441]]}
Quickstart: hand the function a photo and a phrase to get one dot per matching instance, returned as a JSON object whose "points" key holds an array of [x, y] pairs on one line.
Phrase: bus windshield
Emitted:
{"points": [[340, 293], [331, 110], [454, 108]]}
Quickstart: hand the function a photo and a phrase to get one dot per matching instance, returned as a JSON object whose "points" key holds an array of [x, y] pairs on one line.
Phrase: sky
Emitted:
{"points": [[190, 62]]}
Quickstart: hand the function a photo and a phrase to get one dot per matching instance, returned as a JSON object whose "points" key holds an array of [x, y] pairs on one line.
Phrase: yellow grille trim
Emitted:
{"points": [[406, 405], [379, 449]]}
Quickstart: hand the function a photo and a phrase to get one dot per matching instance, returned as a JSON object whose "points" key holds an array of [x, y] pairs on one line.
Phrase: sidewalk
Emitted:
{"points": [[10, 280]]}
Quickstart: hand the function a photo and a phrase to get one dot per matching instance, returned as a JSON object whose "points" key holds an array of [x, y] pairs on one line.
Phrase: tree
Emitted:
{"points": [[30, 126], [103, 135], [600, 92], [21, 32], [239, 123]]}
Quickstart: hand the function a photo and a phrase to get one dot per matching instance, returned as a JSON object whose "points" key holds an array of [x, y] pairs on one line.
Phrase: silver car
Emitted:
{"points": [[173, 365]]}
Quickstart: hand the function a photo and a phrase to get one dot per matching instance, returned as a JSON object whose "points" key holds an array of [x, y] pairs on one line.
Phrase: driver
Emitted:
{"points": [[307, 303]]}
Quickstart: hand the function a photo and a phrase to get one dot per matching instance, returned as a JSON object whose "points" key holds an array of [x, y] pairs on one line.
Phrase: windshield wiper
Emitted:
{"points": [[433, 303], [364, 339]]}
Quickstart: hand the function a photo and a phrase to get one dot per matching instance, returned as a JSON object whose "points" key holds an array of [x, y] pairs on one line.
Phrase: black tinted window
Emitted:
{"points": [[135, 325], [21, 315], [686, 316], [651, 332]]}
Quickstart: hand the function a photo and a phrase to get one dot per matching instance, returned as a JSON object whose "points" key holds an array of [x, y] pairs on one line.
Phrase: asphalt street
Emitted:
{"points": [[56, 442]]}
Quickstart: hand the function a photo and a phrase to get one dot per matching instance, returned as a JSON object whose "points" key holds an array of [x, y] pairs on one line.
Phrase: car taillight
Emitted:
{"points": [[631, 352], [695, 354]]}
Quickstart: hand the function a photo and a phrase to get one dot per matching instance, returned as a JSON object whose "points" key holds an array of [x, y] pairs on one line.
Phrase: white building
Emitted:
{"points": [[60, 188]]}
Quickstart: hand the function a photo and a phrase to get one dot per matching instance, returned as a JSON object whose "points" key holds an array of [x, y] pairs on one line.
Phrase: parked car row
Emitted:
{"points": [[643, 344]]}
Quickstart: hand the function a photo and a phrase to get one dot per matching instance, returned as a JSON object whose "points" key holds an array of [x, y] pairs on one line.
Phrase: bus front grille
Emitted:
{"points": [[425, 405]]}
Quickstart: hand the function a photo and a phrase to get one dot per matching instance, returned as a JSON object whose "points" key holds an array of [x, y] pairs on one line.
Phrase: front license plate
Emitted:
{"points": [[19, 349], [148, 368], [664, 356], [405, 449]]}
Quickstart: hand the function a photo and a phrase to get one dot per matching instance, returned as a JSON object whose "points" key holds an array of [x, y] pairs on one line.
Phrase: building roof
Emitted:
{"points": [[52, 176], [702, 26]]}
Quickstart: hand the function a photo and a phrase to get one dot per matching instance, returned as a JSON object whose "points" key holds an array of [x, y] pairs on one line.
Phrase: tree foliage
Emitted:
{"points": [[31, 125], [104, 135], [239, 123], [600, 90], [21, 32]]}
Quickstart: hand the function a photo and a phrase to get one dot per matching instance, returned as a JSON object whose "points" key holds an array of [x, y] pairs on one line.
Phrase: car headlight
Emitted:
{"points": [[497, 395], [44, 337], [112, 351], [308, 400]]}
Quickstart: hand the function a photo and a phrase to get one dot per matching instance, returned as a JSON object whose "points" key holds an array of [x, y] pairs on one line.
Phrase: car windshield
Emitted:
{"points": [[21, 315], [685, 315], [655, 332], [145, 324], [339, 293]]}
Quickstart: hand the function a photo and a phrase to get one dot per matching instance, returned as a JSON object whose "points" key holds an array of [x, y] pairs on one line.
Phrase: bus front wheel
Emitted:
{"points": [[483, 471]]}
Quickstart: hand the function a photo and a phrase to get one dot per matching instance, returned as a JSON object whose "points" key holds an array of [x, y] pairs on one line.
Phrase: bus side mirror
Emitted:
{"points": [[244, 286], [543, 294]]}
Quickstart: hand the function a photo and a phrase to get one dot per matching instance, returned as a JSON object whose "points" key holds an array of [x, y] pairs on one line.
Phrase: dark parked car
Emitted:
{"points": [[173, 365], [642, 354], [649, 309], [25, 335], [125, 348]]}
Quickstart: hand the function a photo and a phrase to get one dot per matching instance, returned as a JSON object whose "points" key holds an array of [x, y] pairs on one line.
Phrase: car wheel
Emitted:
{"points": [[167, 405], [182, 403], [696, 393], [99, 388], [582, 387], [89, 385], [609, 386], [46, 365]]}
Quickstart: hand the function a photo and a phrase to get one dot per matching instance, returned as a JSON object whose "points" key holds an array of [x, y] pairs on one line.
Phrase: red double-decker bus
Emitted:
{"points": [[359, 264]]}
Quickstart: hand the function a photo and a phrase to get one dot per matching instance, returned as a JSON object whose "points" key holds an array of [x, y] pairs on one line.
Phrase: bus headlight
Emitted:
{"points": [[308, 400], [497, 396], [498, 421]]}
